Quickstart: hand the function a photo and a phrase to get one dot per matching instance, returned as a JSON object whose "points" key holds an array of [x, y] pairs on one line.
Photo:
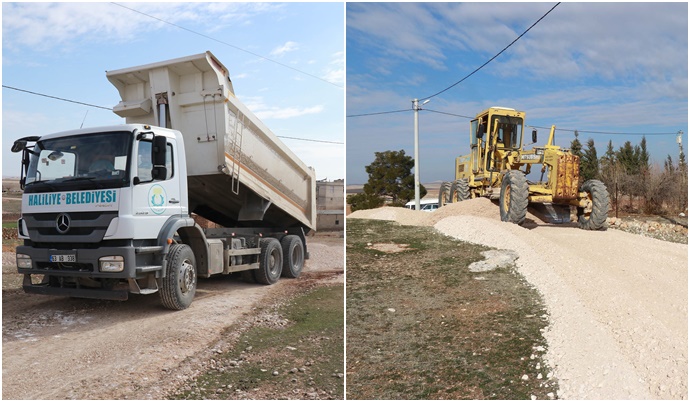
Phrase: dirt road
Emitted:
{"points": [[61, 348], [617, 301]]}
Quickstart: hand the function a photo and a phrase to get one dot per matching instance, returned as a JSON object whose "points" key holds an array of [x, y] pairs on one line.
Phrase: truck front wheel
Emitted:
{"points": [[293, 256], [179, 285], [271, 262]]}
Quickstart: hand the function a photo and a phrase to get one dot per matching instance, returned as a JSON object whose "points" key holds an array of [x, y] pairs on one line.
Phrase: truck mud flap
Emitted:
{"points": [[120, 295]]}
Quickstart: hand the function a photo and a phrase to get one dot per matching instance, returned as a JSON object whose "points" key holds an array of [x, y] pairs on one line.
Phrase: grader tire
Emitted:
{"points": [[595, 220], [459, 191], [514, 197], [444, 194]]}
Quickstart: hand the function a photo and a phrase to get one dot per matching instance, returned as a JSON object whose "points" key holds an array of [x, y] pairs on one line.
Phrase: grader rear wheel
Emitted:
{"points": [[459, 191], [444, 194], [514, 197], [599, 198]]}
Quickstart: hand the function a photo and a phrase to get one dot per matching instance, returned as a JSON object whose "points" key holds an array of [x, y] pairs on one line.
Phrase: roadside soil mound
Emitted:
{"points": [[617, 301]]}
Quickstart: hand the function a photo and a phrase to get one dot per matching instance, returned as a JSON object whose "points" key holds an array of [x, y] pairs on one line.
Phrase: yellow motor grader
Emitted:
{"points": [[497, 168]]}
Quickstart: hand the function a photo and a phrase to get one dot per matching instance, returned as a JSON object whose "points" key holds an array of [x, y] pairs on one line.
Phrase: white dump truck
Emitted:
{"points": [[106, 211]]}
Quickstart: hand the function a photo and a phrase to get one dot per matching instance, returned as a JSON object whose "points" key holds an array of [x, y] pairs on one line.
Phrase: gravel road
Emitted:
{"points": [[62, 348], [617, 301]]}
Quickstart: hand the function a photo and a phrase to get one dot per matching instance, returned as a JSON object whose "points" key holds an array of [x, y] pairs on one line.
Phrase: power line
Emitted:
{"points": [[110, 109], [312, 140], [449, 114], [497, 54], [559, 129], [377, 113], [228, 44], [602, 132], [55, 97], [472, 73]]}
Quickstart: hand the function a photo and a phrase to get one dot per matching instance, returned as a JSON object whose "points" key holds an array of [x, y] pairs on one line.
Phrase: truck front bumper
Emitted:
{"points": [[83, 277]]}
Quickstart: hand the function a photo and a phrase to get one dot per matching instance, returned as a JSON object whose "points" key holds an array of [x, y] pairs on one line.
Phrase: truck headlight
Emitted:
{"points": [[111, 263], [23, 261]]}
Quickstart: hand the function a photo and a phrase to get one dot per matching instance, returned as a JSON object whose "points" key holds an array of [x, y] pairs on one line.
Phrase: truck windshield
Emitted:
{"points": [[97, 160]]}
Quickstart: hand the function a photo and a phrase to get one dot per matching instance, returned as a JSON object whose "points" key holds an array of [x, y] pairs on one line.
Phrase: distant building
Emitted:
{"points": [[330, 205]]}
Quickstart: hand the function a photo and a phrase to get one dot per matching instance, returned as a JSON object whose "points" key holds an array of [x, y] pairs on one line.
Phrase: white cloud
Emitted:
{"points": [[263, 111], [576, 40], [289, 46], [42, 26]]}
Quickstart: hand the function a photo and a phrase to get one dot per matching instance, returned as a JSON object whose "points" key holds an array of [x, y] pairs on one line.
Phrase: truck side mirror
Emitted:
{"points": [[534, 136], [18, 145], [158, 157], [480, 131]]}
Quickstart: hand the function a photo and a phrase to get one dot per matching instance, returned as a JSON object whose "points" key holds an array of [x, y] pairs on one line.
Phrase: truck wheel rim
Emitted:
{"points": [[186, 276], [273, 262], [297, 257]]}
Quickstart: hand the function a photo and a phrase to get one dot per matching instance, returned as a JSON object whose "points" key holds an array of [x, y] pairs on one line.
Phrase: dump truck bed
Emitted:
{"points": [[239, 172]]}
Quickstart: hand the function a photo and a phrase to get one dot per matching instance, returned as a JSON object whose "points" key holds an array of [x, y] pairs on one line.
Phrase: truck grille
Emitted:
{"points": [[81, 227]]}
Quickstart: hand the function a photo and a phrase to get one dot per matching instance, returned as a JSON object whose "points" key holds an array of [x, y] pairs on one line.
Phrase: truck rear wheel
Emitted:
{"points": [[599, 196], [179, 285], [293, 256], [444, 194], [514, 197], [459, 191], [271, 262]]}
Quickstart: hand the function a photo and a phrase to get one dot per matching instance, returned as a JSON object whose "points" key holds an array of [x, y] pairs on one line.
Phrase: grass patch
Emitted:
{"points": [[299, 355], [422, 326]]}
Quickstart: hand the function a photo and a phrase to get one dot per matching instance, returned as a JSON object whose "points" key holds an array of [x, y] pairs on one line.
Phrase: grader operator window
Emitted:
{"points": [[509, 131]]}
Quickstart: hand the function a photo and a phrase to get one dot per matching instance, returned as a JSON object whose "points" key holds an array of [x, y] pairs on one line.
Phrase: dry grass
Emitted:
{"points": [[421, 326]]}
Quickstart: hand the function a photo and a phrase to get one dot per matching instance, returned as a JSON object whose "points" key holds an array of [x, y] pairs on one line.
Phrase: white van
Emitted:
{"points": [[424, 205]]}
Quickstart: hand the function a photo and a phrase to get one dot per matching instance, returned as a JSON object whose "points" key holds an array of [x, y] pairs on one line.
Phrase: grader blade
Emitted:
{"points": [[551, 213]]}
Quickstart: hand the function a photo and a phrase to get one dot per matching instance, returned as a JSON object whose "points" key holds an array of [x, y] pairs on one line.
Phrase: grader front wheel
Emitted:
{"points": [[514, 197], [594, 218]]}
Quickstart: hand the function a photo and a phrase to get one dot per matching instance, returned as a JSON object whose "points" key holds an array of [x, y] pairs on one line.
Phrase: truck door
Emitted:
{"points": [[156, 199]]}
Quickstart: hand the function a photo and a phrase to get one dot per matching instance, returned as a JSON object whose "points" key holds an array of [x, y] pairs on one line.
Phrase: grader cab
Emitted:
{"points": [[497, 167]]}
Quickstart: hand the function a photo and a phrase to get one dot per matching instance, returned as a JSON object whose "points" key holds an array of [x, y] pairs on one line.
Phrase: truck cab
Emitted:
{"points": [[94, 203]]}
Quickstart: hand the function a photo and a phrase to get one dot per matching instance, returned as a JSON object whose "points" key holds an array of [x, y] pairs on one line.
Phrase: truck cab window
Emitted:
{"points": [[144, 163]]}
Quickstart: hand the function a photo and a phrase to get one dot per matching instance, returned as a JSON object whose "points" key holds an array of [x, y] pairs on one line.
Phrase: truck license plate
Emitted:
{"points": [[63, 258]]}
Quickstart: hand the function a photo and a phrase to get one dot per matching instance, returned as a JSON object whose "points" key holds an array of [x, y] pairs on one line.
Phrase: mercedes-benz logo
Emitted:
{"points": [[62, 223]]}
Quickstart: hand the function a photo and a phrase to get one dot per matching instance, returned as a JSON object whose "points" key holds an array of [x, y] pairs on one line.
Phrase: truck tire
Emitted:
{"points": [[179, 285], [514, 197], [595, 220], [293, 256], [444, 194], [270, 263], [459, 191]]}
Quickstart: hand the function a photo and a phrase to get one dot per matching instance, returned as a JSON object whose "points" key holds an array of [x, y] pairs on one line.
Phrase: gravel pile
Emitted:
{"points": [[617, 301]]}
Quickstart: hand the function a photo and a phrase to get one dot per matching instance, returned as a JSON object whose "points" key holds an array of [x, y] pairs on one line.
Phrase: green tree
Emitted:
{"points": [[364, 201], [576, 146], [390, 176], [668, 165], [589, 163], [629, 157], [643, 161]]}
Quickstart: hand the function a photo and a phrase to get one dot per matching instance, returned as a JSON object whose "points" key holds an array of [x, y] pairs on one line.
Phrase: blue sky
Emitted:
{"points": [[64, 50], [610, 67]]}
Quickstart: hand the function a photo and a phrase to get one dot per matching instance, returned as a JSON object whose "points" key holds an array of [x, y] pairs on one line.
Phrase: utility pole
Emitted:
{"points": [[416, 108]]}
